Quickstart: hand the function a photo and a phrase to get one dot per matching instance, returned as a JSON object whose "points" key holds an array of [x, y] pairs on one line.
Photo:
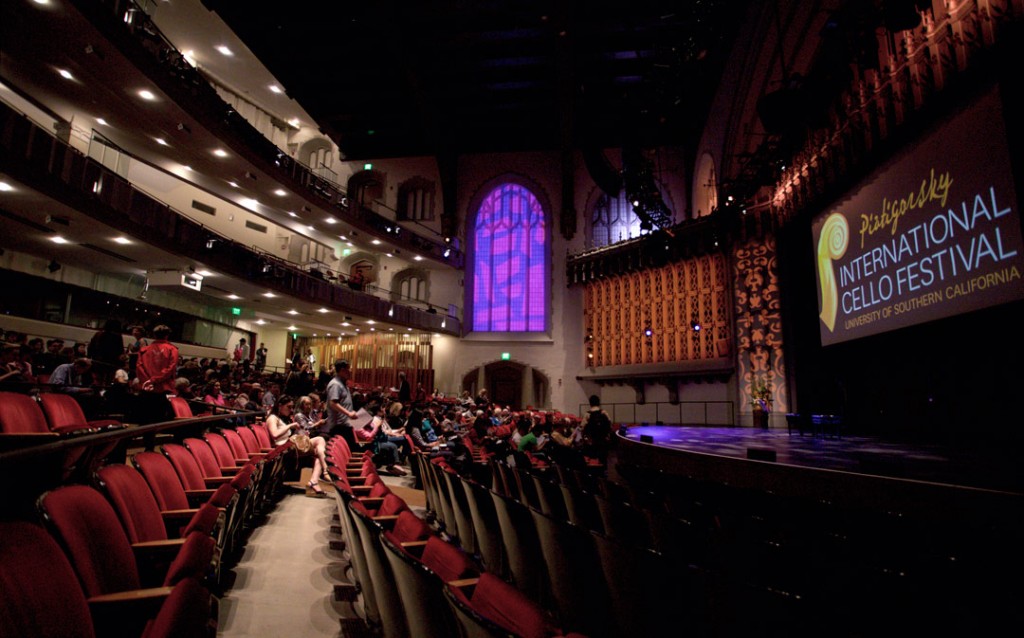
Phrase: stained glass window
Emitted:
{"points": [[510, 253], [613, 221]]}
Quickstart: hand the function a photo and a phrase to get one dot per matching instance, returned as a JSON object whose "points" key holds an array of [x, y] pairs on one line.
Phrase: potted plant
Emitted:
{"points": [[761, 400]]}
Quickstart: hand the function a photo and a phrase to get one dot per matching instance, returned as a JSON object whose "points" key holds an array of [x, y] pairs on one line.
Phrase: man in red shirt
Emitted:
{"points": [[157, 369], [158, 363]]}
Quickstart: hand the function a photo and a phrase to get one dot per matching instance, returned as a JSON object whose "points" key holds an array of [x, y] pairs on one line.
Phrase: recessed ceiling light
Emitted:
{"points": [[260, 322], [314, 334], [233, 184], [345, 324], [269, 295], [147, 95], [233, 297], [310, 227], [161, 141], [357, 329], [417, 258], [204, 273], [328, 334], [101, 121], [389, 254], [331, 220], [186, 167], [294, 122], [391, 329], [122, 240], [5, 187], [292, 328], [373, 330], [223, 50], [275, 89], [370, 321], [57, 239], [219, 152], [41, 1], [375, 242], [323, 310], [293, 312], [342, 238], [280, 192], [437, 334], [248, 202], [350, 245], [291, 213], [64, 73]]}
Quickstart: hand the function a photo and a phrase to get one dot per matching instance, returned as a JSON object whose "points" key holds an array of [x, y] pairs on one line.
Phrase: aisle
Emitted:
{"points": [[282, 586]]}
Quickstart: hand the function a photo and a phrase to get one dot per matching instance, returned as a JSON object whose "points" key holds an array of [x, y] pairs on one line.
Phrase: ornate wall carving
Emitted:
{"points": [[758, 323]]}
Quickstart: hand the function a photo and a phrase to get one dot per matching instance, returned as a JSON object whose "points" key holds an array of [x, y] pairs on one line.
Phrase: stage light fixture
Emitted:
{"points": [[648, 333], [695, 326]]}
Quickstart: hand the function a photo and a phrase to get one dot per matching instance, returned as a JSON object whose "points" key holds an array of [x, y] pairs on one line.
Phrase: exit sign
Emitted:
{"points": [[505, 356], [236, 311]]}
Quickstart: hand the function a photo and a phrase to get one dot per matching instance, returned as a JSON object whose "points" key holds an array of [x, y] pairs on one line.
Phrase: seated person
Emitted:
{"points": [[281, 425], [70, 377]]}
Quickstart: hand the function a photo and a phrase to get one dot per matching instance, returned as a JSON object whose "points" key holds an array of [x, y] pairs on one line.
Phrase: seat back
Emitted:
{"points": [[20, 414], [39, 593], [236, 444], [485, 527], [262, 435], [134, 503], [248, 439], [409, 527], [185, 613], [163, 481], [385, 592], [447, 561], [62, 413], [200, 449], [392, 505], [221, 449], [181, 408], [185, 465], [88, 529], [522, 546], [460, 510]]}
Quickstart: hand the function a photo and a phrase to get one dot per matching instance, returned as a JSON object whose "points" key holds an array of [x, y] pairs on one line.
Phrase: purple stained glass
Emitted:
{"points": [[510, 254]]}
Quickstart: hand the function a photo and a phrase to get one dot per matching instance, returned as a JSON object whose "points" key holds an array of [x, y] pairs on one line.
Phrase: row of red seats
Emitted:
{"points": [[137, 528], [413, 582]]}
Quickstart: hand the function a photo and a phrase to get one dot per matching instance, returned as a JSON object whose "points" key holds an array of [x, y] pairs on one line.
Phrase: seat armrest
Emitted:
{"points": [[463, 582], [217, 480]]}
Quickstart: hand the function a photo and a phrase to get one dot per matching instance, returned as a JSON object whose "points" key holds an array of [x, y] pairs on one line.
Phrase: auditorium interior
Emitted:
{"points": [[763, 236]]}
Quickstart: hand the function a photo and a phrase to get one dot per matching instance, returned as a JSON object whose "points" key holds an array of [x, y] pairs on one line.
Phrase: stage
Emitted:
{"points": [[989, 469]]}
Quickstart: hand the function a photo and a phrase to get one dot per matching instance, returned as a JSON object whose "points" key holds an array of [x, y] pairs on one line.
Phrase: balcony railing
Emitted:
{"points": [[33, 155]]}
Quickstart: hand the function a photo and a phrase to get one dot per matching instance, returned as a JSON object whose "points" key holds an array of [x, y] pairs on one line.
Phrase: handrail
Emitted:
{"points": [[130, 432]]}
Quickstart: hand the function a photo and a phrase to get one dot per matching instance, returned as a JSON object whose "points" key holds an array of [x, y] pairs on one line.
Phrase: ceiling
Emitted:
{"points": [[448, 77]]}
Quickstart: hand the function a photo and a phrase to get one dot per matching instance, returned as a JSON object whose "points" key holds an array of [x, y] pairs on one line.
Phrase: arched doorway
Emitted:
{"points": [[509, 383]]}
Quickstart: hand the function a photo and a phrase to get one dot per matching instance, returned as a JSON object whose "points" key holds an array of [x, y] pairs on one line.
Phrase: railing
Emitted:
{"points": [[177, 77], [681, 413], [51, 165]]}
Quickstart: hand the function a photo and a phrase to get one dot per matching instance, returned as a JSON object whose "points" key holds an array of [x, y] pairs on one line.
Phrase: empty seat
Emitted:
{"points": [[381, 579], [65, 415], [420, 570], [522, 546], [99, 551], [492, 607], [39, 592], [485, 527], [181, 408], [460, 510], [21, 414]]}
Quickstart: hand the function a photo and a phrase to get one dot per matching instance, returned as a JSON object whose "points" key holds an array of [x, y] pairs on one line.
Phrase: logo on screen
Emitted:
{"points": [[832, 244]]}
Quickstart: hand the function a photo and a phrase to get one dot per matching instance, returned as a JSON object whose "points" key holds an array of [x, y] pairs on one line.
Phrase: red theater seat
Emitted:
{"points": [[65, 415], [181, 408], [21, 414], [493, 607], [39, 592]]}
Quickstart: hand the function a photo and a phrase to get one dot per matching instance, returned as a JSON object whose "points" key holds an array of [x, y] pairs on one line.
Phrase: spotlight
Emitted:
{"points": [[695, 326], [53, 266], [447, 253], [210, 243], [648, 333], [267, 268]]}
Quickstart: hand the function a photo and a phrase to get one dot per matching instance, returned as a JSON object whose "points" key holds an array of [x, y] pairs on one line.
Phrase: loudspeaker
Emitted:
{"points": [[761, 454]]}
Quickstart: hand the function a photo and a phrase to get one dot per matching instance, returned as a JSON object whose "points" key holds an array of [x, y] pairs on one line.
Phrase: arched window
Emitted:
{"points": [[510, 252], [416, 200], [412, 284], [613, 220]]}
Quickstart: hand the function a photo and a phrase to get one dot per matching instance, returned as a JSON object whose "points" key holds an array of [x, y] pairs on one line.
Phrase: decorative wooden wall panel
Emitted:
{"points": [[668, 301], [376, 359], [759, 323]]}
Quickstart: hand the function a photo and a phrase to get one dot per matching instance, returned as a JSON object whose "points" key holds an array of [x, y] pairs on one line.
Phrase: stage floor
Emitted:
{"points": [[998, 469]]}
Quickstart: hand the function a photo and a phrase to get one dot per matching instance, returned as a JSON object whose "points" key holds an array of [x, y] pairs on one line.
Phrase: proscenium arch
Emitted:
{"points": [[475, 203]]}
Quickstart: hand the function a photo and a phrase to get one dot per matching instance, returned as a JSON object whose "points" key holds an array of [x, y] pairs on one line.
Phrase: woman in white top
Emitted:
{"points": [[282, 424]]}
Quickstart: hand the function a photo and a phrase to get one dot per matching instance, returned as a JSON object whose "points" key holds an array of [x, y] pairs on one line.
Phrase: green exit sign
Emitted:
{"points": [[236, 311], [505, 356]]}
